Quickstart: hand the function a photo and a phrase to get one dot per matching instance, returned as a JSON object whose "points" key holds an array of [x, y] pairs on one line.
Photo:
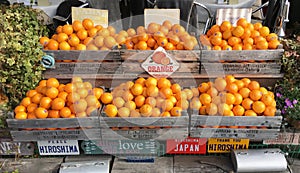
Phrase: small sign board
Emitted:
{"points": [[160, 64], [160, 15], [58, 147], [99, 17], [16, 148], [285, 138], [233, 15], [224, 145], [186, 146], [127, 146]]}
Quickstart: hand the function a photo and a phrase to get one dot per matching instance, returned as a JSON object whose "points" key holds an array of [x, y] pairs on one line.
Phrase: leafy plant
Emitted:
{"points": [[20, 51], [287, 90]]}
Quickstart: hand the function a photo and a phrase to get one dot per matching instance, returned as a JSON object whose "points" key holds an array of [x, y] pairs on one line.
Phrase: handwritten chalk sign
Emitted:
{"points": [[233, 15], [99, 17], [160, 15]]}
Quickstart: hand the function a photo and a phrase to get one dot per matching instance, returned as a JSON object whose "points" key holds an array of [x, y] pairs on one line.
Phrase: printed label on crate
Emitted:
{"points": [[128, 146], [160, 64], [224, 145], [65, 134], [99, 17], [284, 138], [58, 147], [186, 146]]}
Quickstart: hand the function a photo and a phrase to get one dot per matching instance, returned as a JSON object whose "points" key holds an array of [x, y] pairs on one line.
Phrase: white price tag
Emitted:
{"points": [[58, 147]]}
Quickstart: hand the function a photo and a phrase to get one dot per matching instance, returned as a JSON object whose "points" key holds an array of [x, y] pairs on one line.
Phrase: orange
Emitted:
{"points": [[166, 92], [216, 41], [44, 41], [52, 45], [183, 103], [238, 99], [246, 81], [212, 91], [112, 30], [59, 29], [120, 39], [229, 79], [106, 98], [216, 100], [224, 109], [92, 100], [118, 102], [31, 93], [176, 88], [153, 27], [36, 98], [62, 37], [233, 41], [211, 109], [123, 33], [52, 82], [111, 110], [82, 92], [217, 48], [88, 40], [238, 110], [167, 24], [174, 39], [163, 82], [195, 91], [248, 40], [90, 110], [151, 81], [247, 103], [247, 46], [130, 105], [25, 101], [65, 112], [228, 98], [263, 90], [250, 113], [64, 46], [264, 31], [215, 28], [142, 45], [67, 29], [80, 106], [139, 100], [270, 111], [99, 41], [136, 89], [258, 39], [226, 34], [254, 34], [21, 116], [73, 97], [141, 30], [227, 47], [155, 112], [146, 110], [188, 93], [273, 44], [77, 25], [165, 114], [97, 92], [176, 111], [45, 102], [195, 104], [54, 37], [92, 32], [220, 84], [232, 88], [271, 37], [167, 105], [237, 47], [238, 31], [245, 92], [87, 23], [134, 113], [53, 114], [151, 42], [257, 26], [41, 113], [131, 32], [80, 47], [109, 42], [81, 114], [57, 104], [127, 96], [242, 22], [82, 34], [205, 98], [51, 92], [123, 112], [259, 107], [20, 108], [151, 101], [202, 110], [267, 99], [254, 85], [73, 40], [223, 44], [255, 94], [250, 26], [225, 26]]}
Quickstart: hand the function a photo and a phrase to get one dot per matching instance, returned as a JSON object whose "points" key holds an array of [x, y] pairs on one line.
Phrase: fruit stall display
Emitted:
{"points": [[193, 101]]}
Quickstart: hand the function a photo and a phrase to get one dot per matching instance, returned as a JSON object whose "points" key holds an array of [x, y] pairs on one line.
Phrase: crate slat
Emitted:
{"points": [[243, 55], [144, 122], [42, 135], [234, 133], [145, 134], [259, 121], [54, 123], [84, 55]]}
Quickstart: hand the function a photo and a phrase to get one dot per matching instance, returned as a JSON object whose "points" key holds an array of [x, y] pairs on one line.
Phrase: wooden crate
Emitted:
{"points": [[144, 128], [260, 127], [54, 129]]}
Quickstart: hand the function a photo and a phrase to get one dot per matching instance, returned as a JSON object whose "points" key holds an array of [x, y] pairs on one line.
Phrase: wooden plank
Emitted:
{"points": [[243, 55], [84, 55], [202, 120], [54, 123], [160, 165], [144, 122], [234, 133], [42, 135], [145, 134], [8, 147], [240, 68], [215, 164]]}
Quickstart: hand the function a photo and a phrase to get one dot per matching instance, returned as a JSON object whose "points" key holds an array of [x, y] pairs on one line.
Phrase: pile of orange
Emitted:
{"points": [[229, 96], [243, 36], [149, 97], [169, 36], [51, 99]]}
